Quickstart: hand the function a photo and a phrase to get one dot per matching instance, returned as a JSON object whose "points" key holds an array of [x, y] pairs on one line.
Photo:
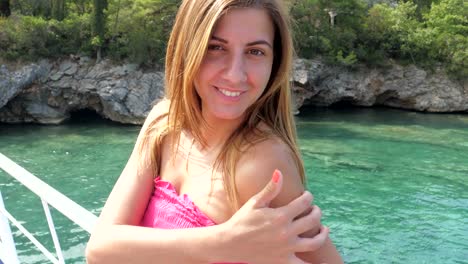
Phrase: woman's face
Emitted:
{"points": [[237, 65]]}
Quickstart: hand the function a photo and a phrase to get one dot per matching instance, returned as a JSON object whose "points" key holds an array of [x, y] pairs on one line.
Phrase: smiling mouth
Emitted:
{"points": [[228, 93]]}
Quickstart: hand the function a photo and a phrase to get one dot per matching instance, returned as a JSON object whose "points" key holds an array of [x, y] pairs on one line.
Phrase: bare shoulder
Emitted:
{"points": [[127, 202], [151, 127], [154, 118], [159, 109], [257, 164], [255, 169]]}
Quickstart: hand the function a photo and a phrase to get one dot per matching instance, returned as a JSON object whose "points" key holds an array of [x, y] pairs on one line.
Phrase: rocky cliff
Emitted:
{"points": [[48, 92], [397, 86]]}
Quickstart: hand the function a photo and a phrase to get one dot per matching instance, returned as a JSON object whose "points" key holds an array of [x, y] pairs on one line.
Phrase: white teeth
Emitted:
{"points": [[229, 93]]}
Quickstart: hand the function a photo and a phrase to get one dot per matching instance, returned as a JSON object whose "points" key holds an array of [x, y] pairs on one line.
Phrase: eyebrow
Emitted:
{"points": [[257, 42]]}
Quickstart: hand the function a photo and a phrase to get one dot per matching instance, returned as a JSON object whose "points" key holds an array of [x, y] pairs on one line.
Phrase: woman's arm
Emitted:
{"points": [[117, 238], [255, 233], [253, 172]]}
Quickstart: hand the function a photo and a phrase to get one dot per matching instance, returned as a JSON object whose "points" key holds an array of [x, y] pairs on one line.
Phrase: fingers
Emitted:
{"points": [[298, 205], [309, 223], [305, 244], [271, 190]]}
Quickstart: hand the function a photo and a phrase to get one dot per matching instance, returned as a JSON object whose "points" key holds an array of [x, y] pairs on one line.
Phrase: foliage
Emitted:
{"points": [[32, 7], [424, 32], [141, 30], [98, 25], [99, 18], [388, 30], [315, 34], [57, 8], [446, 26], [349, 60], [5, 8], [30, 37], [439, 37]]}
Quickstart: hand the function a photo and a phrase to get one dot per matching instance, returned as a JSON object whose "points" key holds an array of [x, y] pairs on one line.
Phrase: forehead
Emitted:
{"points": [[245, 24]]}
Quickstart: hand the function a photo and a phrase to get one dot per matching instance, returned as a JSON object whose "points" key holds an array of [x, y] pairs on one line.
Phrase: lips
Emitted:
{"points": [[229, 93]]}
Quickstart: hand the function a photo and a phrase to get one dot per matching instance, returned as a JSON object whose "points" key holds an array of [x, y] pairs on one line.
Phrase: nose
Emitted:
{"points": [[235, 71]]}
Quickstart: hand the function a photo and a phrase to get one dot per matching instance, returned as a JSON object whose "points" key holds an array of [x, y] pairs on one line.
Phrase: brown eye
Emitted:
{"points": [[256, 52], [215, 47]]}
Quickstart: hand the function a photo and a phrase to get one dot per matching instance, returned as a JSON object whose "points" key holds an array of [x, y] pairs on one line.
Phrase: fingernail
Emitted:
{"points": [[276, 176]]}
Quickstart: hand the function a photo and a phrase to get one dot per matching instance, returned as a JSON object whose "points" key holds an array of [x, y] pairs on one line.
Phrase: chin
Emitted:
{"points": [[229, 116]]}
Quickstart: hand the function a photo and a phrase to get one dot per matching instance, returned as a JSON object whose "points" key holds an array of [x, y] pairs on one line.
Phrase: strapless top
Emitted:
{"points": [[169, 210]]}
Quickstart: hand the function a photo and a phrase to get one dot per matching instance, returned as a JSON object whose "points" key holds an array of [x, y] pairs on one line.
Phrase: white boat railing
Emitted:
{"points": [[48, 196]]}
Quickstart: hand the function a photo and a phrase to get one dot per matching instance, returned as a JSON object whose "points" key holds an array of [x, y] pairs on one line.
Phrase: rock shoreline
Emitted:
{"points": [[47, 92]]}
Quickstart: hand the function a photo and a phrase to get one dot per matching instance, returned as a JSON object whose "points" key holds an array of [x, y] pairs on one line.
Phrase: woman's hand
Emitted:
{"points": [[258, 234]]}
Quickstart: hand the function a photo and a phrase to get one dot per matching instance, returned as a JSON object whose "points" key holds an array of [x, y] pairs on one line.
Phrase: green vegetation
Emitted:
{"points": [[345, 32], [99, 25], [426, 33]]}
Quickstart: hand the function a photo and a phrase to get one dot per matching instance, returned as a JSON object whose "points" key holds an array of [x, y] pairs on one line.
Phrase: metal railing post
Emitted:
{"points": [[53, 233], [8, 244], [48, 196]]}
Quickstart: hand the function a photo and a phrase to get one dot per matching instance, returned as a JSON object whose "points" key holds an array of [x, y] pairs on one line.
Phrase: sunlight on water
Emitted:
{"points": [[393, 185]]}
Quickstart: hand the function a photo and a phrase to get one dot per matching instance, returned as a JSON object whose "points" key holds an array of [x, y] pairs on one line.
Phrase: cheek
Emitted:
{"points": [[261, 75], [205, 73], [200, 79]]}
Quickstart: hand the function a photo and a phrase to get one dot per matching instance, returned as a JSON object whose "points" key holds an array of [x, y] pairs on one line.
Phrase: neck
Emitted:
{"points": [[218, 130], [215, 135]]}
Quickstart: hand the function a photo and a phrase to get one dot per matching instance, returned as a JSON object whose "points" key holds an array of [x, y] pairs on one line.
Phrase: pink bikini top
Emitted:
{"points": [[169, 210]]}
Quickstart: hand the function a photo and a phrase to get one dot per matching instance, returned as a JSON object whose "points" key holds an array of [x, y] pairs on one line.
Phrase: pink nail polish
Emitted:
{"points": [[276, 176]]}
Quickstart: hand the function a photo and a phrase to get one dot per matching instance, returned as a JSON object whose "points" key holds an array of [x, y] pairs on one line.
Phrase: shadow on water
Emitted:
{"points": [[383, 116], [88, 116], [81, 121]]}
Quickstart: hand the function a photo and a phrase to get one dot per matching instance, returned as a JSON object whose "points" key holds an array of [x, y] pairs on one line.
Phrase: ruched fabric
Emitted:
{"points": [[169, 210]]}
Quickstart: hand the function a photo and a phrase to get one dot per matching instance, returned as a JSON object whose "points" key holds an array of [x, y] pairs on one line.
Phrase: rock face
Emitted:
{"points": [[401, 87], [11, 84], [48, 92]]}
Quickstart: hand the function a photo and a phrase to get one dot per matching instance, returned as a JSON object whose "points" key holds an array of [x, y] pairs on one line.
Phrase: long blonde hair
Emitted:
{"points": [[186, 49]]}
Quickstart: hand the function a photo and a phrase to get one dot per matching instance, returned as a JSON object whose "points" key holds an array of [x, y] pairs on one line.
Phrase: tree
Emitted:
{"points": [[79, 6], [5, 8], [447, 28], [423, 6], [99, 29], [58, 9], [138, 30]]}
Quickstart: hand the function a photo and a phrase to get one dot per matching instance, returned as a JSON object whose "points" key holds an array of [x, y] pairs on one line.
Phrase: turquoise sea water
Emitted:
{"points": [[393, 185]]}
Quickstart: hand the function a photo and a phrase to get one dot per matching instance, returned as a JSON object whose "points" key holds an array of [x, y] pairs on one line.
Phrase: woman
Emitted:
{"points": [[224, 130]]}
